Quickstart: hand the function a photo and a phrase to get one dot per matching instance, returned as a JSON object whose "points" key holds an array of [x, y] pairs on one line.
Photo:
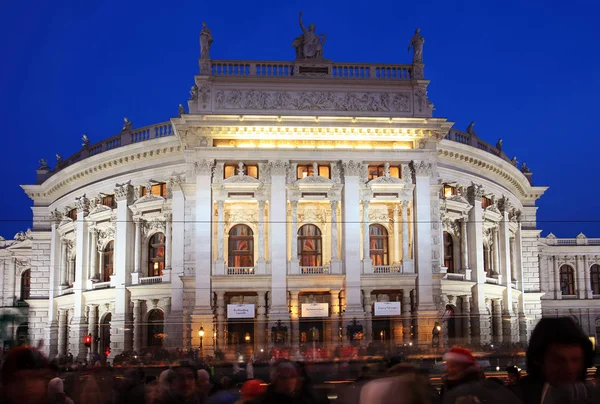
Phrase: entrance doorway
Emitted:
{"points": [[311, 331], [382, 329], [155, 330], [104, 335], [240, 334], [22, 332]]}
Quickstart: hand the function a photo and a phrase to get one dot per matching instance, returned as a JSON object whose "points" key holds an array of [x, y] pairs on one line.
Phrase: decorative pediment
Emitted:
{"points": [[241, 180], [314, 180], [457, 203]]}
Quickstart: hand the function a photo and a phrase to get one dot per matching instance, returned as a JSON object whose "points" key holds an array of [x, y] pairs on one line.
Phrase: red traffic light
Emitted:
{"points": [[87, 341]]}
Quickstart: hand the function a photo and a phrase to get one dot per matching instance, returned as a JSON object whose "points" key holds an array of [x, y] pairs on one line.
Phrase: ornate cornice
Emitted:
{"points": [[203, 167], [352, 168]]}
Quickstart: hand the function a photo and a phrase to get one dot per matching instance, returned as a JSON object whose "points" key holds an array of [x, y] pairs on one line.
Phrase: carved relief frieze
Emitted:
{"points": [[379, 214], [105, 234], [244, 216], [204, 99], [312, 215], [153, 225], [264, 170], [422, 168], [292, 174], [352, 168], [313, 101]]}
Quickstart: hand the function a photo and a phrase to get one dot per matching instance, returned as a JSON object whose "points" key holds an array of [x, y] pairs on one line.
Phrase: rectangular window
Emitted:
{"points": [[72, 214], [304, 171], [486, 202], [109, 201], [232, 169], [157, 189], [379, 171], [449, 191]]}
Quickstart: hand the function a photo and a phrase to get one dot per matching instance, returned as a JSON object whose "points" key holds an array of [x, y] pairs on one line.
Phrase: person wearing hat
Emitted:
{"points": [[250, 390], [461, 368], [284, 380]]}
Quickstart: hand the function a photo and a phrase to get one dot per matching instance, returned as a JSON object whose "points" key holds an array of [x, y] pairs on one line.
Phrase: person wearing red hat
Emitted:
{"points": [[250, 390], [461, 368]]}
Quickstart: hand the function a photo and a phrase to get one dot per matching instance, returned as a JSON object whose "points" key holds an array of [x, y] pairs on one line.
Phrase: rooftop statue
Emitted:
{"points": [[309, 45], [85, 141], [206, 41], [43, 164], [499, 145], [524, 168], [194, 93], [126, 125], [470, 129], [416, 43], [181, 111], [59, 158], [514, 161]]}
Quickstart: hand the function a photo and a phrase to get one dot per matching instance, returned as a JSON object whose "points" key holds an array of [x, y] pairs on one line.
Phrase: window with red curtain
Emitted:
{"points": [[107, 269], [156, 255], [241, 246], [378, 245], [309, 246]]}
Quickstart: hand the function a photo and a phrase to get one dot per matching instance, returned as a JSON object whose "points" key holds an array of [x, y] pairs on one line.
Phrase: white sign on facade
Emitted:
{"points": [[240, 311], [315, 310], [387, 308]]}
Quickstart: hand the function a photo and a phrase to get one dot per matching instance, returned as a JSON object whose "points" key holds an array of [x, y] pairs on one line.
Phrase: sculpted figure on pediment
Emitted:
{"points": [[309, 45], [206, 40]]}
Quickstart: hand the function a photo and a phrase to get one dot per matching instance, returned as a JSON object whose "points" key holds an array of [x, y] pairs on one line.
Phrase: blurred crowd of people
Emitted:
{"points": [[558, 357]]}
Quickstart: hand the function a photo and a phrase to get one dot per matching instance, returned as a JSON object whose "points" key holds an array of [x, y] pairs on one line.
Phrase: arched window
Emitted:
{"points": [[107, 261], [241, 247], [25, 284], [448, 252], [156, 255], [378, 244], [156, 334], [309, 246], [595, 275], [567, 280]]}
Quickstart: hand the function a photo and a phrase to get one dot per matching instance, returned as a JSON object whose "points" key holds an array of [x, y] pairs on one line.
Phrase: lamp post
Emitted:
{"points": [[215, 340], [247, 338], [201, 335], [435, 340]]}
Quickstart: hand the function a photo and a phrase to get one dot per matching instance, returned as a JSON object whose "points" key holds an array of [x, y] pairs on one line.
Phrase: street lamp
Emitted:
{"points": [[216, 341], [201, 335], [247, 338]]}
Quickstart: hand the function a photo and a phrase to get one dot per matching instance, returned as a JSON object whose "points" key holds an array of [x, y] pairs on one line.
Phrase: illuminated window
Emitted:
{"points": [[232, 169], [156, 255], [567, 281], [449, 191], [378, 244], [486, 202], [25, 285], [307, 171], [241, 247], [309, 246], [107, 266], [595, 275], [448, 252], [109, 201], [72, 214], [378, 171], [157, 189]]}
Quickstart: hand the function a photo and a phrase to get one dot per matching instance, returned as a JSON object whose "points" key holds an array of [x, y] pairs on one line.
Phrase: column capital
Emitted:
{"points": [[475, 193], [421, 168], [278, 167], [366, 195], [124, 192], [204, 167], [220, 203]]}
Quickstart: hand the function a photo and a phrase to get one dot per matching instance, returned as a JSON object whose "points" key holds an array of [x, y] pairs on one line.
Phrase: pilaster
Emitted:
{"points": [[174, 321]]}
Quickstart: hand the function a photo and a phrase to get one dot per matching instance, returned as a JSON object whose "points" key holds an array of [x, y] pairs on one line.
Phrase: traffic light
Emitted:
{"points": [[88, 340]]}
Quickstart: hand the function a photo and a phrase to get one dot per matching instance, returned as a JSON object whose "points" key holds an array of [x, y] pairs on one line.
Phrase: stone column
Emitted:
{"points": [[405, 309], [397, 260], [72, 269], [138, 247], [334, 231], [261, 322], [557, 289], [464, 249], [121, 336], [407, 261], [368, 315], [94, 255], [294, 317], [589, 293], [294, 263], [513, 272], [174, 322], [466, 311], [221, 321], [367, 261], [580, 277], [332, 335], [62, 332], [168, 241], [79, 324], [497, 319], [137, 325], [496, 252], [261, 238], [63, 263], [220, 261], [93, 326]]}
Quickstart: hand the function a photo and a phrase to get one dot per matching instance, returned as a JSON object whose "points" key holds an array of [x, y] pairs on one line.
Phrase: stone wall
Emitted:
{"points": [[530, 261]]}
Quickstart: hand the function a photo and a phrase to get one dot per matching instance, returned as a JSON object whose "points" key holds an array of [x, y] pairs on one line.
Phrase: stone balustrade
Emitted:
{"points": [[101, 285], [388, 269], [314, 270], [241, 68], [573, 241], [455, 277], [240, 271], [150, 280], [470, 140], [493, 281]]}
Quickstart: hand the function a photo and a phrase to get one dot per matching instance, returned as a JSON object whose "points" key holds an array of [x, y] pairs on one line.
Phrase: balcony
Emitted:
{"points": [[455, 277], [324, 270], [388, 269], [100, 285], [151, 280], [240, 271], [493, 281]]}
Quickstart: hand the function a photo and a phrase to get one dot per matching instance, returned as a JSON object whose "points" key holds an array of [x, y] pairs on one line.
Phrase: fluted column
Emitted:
{"points": [[137, 325], [93, 326], [334, 231], [168, 243], [63, 264], [72, 264], [94, 255], [397, 235], [464, 246], [294, 255], [513, 268], [62, 332], [466, 312], [367, 262], [220, 230], [221, 320], [261, 321], [138, 247], [261, 231]]}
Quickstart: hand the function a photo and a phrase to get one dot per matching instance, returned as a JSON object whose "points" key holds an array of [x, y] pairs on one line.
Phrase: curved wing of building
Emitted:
{"points": [[297, 205]]}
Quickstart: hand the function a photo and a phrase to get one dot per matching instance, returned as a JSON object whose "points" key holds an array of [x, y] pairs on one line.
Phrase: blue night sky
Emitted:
{"points": [[526, 71]]}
